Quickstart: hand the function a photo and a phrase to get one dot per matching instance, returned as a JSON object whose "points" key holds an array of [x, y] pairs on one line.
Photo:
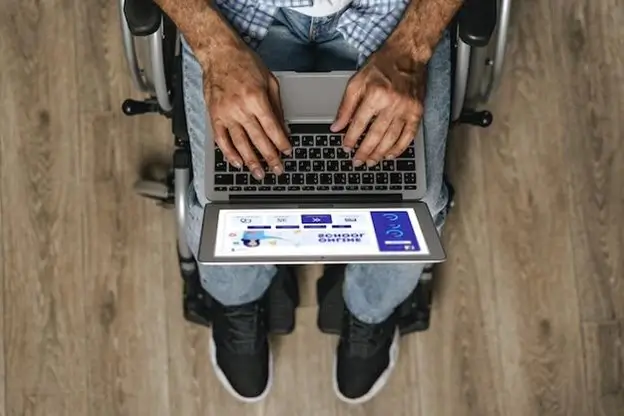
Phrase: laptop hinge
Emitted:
{"points": [[316, 198]]}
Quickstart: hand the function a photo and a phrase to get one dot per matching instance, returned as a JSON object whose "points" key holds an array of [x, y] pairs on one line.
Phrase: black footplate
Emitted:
{"points": [[282, 298], [414, 312]]}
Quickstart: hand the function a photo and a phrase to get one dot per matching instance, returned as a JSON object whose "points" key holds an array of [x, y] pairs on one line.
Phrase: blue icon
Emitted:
{"points": [[316, 219]]}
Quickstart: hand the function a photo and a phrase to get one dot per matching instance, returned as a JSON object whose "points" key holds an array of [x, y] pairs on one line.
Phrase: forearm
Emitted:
{"points": [[201, 24], [422, 25]]}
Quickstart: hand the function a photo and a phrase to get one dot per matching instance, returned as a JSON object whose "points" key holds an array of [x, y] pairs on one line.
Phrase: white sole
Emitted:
{"points": [[226, 383], [381, 381]]}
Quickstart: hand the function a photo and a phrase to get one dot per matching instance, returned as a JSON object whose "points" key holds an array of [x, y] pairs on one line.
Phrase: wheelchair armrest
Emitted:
{"points": [[143, 16], [476, 21]]}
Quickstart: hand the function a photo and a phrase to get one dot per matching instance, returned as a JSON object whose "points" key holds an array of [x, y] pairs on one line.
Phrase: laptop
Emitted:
{"points": [[322, 209]]}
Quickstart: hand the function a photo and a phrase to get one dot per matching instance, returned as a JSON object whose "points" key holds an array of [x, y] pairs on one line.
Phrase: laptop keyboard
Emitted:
{"points": [[318, 163]]}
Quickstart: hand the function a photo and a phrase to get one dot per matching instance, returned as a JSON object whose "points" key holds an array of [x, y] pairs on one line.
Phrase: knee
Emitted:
{"points": [[373, 291]]}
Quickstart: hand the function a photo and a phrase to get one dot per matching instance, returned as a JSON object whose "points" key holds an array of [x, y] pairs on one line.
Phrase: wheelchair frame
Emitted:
{"points": [[479, 40]]}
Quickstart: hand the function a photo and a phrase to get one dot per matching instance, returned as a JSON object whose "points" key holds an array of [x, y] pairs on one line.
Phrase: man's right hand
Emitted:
{"points": [[244, 106]]}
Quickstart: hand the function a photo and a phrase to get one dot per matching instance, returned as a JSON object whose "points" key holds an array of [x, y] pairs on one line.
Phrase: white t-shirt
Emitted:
{"points": [[322, 8]]}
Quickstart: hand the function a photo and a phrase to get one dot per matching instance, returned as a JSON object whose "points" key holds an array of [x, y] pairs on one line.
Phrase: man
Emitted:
{"points": [[401, 51]]}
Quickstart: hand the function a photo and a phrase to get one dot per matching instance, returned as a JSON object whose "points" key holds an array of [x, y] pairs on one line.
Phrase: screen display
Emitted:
{"points": [[314, 232]]}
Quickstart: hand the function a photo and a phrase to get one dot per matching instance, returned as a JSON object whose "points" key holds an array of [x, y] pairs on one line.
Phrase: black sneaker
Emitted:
{"points": [[239, 351], [365, 357]]}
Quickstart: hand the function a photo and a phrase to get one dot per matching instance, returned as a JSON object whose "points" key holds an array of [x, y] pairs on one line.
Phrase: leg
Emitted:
{"points": [[280, 50], [239, 349], [373, 291], [368, 346]]}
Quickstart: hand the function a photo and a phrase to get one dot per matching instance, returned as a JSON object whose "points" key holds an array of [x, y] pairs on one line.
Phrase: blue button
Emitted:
{"points": [[316, 219]]}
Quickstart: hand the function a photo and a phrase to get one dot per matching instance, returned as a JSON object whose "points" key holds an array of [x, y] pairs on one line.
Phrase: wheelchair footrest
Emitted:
{"points": [[281, 299], [413, 314]]}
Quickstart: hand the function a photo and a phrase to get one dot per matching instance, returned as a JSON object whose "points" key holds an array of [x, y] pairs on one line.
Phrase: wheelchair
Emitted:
{"points": [[152, 48]]}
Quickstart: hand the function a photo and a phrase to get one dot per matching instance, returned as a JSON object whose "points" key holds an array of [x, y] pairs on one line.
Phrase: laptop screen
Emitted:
{"points": [[318, 232]]}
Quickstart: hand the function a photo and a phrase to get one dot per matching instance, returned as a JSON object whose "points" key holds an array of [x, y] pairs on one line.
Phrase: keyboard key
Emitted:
{"points": [[381, 178], [341, 154], [335, 140], [406, 165], [321, 141], [346, 166], [366, 187], [290, 166], [322, 188], [235, 188], [305, 166], [375, 168], [264, 188], [368, 178], [297, 179], [352, 187], [269, 179], [249, 188], [301, 153], [410, 187], [294, 188], [242, 179], [311, 179], [314, 153], [329, 153], [396, 187], [387, 165], [308, 188], [283, 179], [409, 178], [381, 187], [224, 179], [219, 155], [396, 177], [318, 165], [279, 188], [221, 166], [307, 141], [408, 153], [326, 178], [354, 178], [295, 141], [332, 166], [340, 178], [361, 168], [220, 188], [337, 188]]}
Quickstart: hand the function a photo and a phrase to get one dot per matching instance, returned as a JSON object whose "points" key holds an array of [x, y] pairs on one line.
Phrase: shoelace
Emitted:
{"points": [[363, 339], [242, 328]]}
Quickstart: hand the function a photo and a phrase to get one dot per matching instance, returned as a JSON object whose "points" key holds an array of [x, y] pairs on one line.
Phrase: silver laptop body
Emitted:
{"points": [[318, 174]]}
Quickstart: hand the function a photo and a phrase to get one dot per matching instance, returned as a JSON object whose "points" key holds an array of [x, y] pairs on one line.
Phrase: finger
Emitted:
{"points": [[390, 138], [222, 139], [263, 144], [242, 144], [350, 100], [372, 140], [407, 136], [264, 112], [276, 101], [360, 121]]}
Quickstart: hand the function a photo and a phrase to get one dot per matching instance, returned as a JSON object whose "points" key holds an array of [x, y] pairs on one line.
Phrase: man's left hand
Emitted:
{"points": [[384, 99]]}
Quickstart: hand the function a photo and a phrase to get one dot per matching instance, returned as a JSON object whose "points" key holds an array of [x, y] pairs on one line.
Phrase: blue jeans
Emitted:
{"points": [[300, 43]]}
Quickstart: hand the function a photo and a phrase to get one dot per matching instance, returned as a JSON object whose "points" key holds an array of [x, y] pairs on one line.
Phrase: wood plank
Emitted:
{"points": [[44, 326], [592, 61], [604, 364], [127, 334], [459, 356], [50, 405], [528, 224], [104, 81]]}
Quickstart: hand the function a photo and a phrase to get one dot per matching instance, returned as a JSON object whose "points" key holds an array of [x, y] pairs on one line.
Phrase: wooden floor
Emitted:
{"points": [[529, 315]]}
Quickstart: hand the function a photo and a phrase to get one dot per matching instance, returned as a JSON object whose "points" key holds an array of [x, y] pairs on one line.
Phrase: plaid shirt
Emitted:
{"points": [[365, 24]]}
